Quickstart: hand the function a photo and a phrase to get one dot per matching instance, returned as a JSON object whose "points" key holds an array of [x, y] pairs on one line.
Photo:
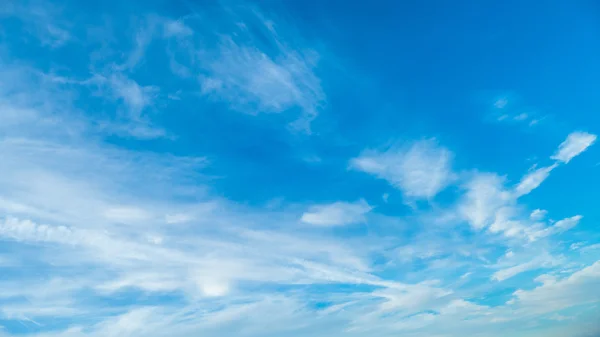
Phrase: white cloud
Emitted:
{"points": [[126, 214], [575, 144], [560, 318], [533, 180], [488, 203], [538, 214], [43, 20], [414, 298], [566, 224], [215, 288], [252, 64], [543, 261], [336, 214], [421, 171], [501, 103], [460, 307], [576, 245], [97, 221], [484, 196], [521, 117], [135, 100], [556, 294], [178, 218], [136, 97], [144, 33], [589, 247], [253, 82], [177, 28], [26, 230], [557, 228]]}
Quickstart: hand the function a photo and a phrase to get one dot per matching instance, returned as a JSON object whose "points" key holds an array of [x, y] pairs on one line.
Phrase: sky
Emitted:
{"points": [[299, 168]]}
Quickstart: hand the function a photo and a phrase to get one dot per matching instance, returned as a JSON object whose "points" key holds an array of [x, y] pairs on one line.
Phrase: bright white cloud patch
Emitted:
{"points": [[485, 194], [336, 214], [420, 170], [533, 179], [575, 144]]}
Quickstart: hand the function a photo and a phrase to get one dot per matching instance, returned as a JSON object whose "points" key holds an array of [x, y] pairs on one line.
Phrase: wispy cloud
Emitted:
{"points": [[177, 28], [42, 20], [538, 214], [575, 144], [508, 108], [420, 170], [253, 82], [533, 180], [338, 213], [555, 294], [105, 233], [135, 97], [485, 194], [489, 202], [246, 61], [543, 261]]}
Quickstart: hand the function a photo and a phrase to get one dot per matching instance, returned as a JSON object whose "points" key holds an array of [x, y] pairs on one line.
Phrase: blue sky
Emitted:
{"points": [[299, 168]]}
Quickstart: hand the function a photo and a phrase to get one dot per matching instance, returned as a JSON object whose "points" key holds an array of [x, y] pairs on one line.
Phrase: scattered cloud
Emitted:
{"points": [[178, 218], [42, 20], [521, 117], [126, 214], [538, 214], [245, 61], [501, 103], [575, 144], [485, 194], [122, 236], [543, 261], [556, 294], [488, 203], [253, 82], [533, 180], [511, 109], [589, 247], [177, 28], [336, 214], [135, 97], [420, 170], [566, 224]]}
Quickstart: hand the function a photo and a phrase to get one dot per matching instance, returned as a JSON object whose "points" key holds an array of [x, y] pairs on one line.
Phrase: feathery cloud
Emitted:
{"points": [[533, 180], [420, 171], [575, 144], [336, 214]]}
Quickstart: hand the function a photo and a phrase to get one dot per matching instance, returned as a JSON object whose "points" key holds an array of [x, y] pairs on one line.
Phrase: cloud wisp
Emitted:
{"points": [[138, 164], [420, 170]]}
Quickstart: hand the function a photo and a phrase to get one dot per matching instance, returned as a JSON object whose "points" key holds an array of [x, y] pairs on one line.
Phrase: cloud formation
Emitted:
{"points": [[338, 213], [136, 199], [575, 144], [420, 170]]}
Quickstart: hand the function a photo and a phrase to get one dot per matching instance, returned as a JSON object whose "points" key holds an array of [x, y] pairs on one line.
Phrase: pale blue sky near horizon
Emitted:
{"points": [[299, 168]]}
